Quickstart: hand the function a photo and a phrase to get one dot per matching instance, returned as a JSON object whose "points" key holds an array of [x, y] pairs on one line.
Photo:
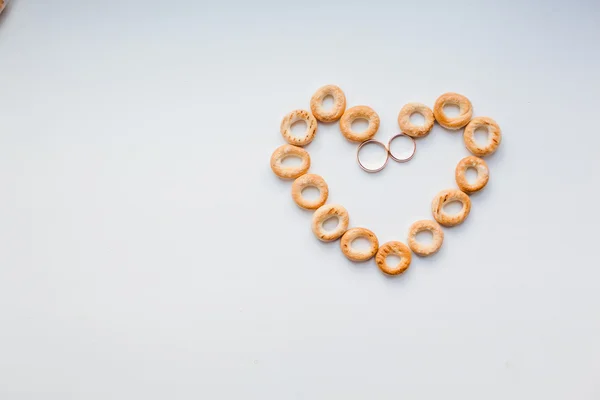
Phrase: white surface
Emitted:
{"points": [[147, 251]]}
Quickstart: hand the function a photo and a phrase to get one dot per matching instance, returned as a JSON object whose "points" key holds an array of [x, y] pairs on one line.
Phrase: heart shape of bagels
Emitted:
{"points": [[323, 212]]}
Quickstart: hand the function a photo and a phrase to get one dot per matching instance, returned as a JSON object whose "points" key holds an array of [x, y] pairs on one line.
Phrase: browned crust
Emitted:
{"points": [[494, 136], [447, 196], [355, 113], [395, 248], [325, 212], [297, 115], [425, 249], [310, 180], [483, 174], [339, 103], [466, 110], [356, 255], [287, 150], [411, 129]]}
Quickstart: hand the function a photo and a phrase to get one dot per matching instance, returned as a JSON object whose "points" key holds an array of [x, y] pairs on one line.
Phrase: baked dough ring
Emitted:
{"points": [[354, 113], [483, 174], [447, 196], [325, 212], [285, 151], [357, 255], [466, 110], [425, 249], [411, 129], [310, 180], [396, 248], [494, 136], [339, 103], [297, 115]]}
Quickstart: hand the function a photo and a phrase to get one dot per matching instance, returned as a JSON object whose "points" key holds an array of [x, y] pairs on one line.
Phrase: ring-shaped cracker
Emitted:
{"points": [[359, 112], [325, 212], [483, 174], [359, 255], [422, 226], [448, 196], [310, 180], [494, 136], [393, 248], [465, 113], [297, 115], [285, 151], [411, 129], [339, 103]]}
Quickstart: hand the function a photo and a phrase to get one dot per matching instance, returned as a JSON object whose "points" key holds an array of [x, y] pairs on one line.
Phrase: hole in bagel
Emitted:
{"points": [[471, 175], [327, 104], [417, 119], [481, 136], [311, 193], [359, 125], [393, 260], [331, 223], [291, 162], [453, 207], [424, 237], [360, 244], [298, 128], [451, 110]]}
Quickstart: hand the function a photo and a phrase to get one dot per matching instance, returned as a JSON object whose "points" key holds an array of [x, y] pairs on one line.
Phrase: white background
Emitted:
{"points": [[148, 251]]}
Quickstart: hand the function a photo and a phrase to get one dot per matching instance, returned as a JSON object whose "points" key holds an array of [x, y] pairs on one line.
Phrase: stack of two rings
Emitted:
{"points": [[388, 152]]}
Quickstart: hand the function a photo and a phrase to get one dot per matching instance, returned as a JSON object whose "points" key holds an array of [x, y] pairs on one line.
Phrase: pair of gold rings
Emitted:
{"points": [[388, 152]]}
